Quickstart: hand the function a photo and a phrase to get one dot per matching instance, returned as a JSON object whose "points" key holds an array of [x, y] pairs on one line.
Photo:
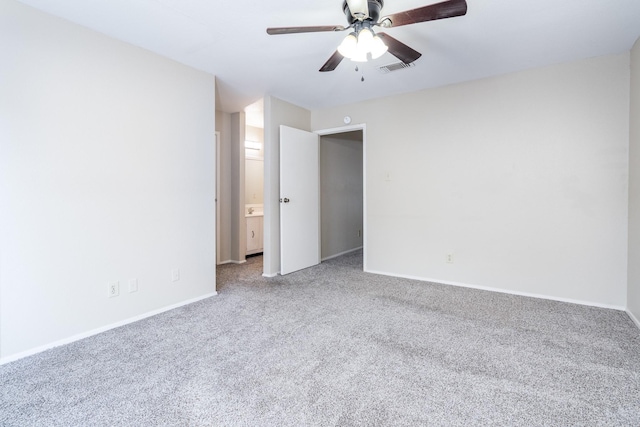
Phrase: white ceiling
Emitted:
{"points": [[228, 39]]}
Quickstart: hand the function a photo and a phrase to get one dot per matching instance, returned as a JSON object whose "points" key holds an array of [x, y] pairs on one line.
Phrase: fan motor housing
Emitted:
{"points": [[374, 11]]}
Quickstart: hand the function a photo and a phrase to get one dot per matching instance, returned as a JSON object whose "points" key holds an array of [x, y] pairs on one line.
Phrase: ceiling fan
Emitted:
{"points": [[362, 16]]}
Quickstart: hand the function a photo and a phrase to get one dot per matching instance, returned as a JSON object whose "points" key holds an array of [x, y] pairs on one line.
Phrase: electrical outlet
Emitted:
{"points": [[449, 258], [175, 274], [113, 289], [133, 285]]}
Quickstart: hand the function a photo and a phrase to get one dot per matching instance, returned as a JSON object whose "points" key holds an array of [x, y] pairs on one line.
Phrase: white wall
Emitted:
{"points": [[106, 174], [633, 293], [223, 125], [523, 178], [341, 193], [276, 113]]}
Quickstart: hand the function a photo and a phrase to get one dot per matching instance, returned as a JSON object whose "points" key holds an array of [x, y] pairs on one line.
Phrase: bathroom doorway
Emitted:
{"points": [[254, 178]]}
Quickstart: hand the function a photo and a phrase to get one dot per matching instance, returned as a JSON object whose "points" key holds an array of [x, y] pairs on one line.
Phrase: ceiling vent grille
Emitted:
{"points": [[385, 69]]}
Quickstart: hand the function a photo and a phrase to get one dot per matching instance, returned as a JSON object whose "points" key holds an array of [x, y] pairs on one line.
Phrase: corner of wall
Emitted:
{"points": [[633, 268]]}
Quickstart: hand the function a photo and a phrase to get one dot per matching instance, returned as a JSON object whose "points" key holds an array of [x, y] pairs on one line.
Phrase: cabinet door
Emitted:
{"points": [[259, 234], [253, 235]]}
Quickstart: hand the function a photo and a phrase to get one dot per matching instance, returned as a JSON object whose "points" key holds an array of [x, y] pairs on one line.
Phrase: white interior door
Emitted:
{"points": [[299, 199]]}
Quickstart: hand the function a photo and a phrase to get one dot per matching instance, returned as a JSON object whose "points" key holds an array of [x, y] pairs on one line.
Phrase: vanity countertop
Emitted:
{"points": [[253, 210]]}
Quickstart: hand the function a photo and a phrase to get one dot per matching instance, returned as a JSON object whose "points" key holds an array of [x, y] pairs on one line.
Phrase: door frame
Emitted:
{"points": [[351, 128], [217, 198], [271, 182]]}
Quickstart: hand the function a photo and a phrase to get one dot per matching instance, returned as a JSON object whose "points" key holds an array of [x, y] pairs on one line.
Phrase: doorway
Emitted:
{"points": [[341, 193], [345, 192], [272, 192], [253, 190]]}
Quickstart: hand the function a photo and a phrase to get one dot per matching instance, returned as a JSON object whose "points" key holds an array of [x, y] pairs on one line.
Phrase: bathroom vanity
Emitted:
{"points": [[254, 216]]}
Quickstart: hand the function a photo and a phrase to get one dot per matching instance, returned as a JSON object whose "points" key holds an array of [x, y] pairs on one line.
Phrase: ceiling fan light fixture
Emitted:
{"points": [[358, 47], [362, 16]]}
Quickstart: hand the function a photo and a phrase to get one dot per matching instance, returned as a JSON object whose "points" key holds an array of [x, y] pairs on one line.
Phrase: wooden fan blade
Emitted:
{"points": [[400, 50], [332, 62], [446, 9], [294, 30]]}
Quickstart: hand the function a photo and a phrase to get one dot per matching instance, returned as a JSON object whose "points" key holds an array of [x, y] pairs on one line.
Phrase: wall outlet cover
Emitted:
{"points": [[113, 289]]}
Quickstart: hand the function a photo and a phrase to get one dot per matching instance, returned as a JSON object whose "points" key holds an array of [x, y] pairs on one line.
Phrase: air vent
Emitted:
{"points": [[385, 69]]}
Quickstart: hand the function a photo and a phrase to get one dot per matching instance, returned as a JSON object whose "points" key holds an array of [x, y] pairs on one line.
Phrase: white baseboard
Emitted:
{"points": [[341, 253], [634, 318], [97, 331], [503, 291], [230, 261], [270, 275]]}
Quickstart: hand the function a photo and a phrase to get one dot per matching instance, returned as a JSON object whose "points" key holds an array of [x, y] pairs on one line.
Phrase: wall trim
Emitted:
{"points": [[236, 262], [502, 291], [365, 227], [633, 318], [341, 253], [270, 275], [341, 129], [101, 329]]}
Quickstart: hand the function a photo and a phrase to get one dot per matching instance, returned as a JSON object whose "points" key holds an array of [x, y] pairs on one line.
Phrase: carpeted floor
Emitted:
{"points": [[332, 345]]}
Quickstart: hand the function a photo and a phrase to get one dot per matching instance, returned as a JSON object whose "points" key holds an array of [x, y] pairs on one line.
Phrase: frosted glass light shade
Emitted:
{"points": [[365, 40], [378, 48], [349, 45]]}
